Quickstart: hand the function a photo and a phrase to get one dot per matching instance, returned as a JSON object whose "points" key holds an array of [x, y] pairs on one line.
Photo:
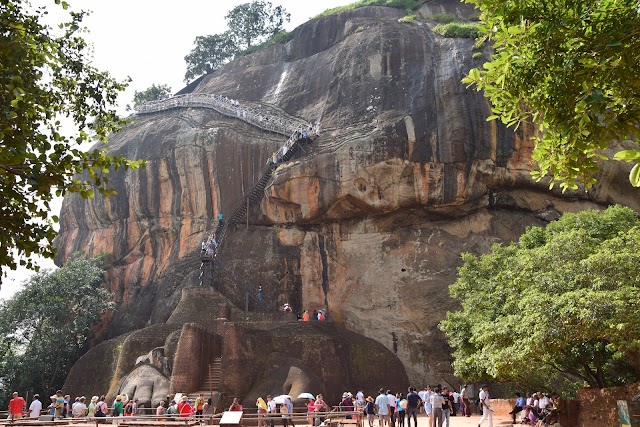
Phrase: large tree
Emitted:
{"points": [[252, 23], [562, 301], [209, 53], [45, 327], [152, 93], [46, 80], [571, 67], [249, 24]]}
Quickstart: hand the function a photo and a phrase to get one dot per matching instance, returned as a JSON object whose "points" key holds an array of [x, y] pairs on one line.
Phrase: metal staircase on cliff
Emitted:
{"points": [[263, 116]]}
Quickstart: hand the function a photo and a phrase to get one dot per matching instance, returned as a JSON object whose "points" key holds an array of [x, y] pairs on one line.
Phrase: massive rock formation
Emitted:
{"points": [[369, 220]]}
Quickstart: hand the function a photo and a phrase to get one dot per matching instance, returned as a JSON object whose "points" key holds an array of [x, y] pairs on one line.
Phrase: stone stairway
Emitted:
{"points": [[263, 116], [211, 382]]}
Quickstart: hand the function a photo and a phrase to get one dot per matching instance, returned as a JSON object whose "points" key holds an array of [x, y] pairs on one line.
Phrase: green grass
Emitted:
{"points": [[280, 38], [443, 18], [458, 30], [408, 19], [407, 5]]}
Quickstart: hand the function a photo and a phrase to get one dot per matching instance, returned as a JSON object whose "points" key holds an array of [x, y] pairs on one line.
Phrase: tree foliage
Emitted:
{"points": [[250, 24], [45, 327], [152, 93], [45, 79], [570, 67], [562, 301], [209, 53]]}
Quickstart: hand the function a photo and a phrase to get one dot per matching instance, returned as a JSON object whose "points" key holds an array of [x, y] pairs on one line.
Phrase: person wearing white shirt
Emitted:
{"points": [[465, 409], [393, 406], [427, 403], [436, 401], [79, 408], [423, 395], [360, 397], [36, 407], [543, 401], [485, 404]]}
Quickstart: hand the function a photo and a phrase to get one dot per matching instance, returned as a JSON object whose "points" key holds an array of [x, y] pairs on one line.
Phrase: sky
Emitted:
{"points": [[147, 41]]}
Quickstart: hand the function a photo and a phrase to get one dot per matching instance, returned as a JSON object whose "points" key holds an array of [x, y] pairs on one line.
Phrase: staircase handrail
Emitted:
{"points": [[230, 108]]}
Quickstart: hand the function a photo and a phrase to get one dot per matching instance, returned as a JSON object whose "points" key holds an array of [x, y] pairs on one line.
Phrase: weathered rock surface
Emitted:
{"points": [[369, 221]]}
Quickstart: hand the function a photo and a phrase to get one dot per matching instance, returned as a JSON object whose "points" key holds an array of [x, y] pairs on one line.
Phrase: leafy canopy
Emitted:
{"points": [[45, 79], [256, 21], [250, 24], [571, 67], [210, 52], [407, 5], [45, 328], [561, 302], [152, 93]]}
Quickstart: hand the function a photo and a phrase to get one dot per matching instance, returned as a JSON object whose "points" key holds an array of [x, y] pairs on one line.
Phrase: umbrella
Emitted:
{"points": [[306, 396], [280, 399]]}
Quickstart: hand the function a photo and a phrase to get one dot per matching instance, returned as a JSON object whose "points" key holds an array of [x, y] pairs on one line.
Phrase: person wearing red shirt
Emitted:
{"points": [[235, 406], [184, 408], [16, 406]]}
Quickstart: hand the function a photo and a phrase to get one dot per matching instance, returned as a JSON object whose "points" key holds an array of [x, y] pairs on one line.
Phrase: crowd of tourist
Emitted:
{"points": [[62, 406], [388, 408]]}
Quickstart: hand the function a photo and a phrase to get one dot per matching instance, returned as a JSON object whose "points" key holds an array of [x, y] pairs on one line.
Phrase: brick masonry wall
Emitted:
{"points": [[197, 347], [598, 406]]}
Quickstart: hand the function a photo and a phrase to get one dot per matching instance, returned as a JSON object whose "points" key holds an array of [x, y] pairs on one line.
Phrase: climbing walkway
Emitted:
{"points": [[260, 115], [265, 117]]}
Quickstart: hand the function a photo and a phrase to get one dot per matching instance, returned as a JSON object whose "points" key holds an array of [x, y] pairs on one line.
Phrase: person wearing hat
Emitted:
{"points": [[184, 408], [370, 410], [36, 407], [91, 409], [52, 405], [118, 407]]}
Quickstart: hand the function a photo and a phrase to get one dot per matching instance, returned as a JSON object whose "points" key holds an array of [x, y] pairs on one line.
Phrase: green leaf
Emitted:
{"points": [[634, 175], [627, 155]]}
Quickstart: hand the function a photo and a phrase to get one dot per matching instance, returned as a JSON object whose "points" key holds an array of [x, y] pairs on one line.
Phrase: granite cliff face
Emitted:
{"points": [[368, 221]]}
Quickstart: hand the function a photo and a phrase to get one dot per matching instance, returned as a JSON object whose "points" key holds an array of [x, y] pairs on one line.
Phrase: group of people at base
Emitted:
{"points": [[185, 407], [270, 411], [538, 408], [62, 406]]}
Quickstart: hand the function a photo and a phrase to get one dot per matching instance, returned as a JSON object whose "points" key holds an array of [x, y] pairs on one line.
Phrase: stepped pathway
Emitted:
{"points": [[263, 116], [211, 382]]}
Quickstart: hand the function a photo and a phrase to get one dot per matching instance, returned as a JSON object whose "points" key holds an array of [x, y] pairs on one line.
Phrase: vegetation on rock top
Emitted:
{"points": [[458, 30], [408, 5], [252, 26]]}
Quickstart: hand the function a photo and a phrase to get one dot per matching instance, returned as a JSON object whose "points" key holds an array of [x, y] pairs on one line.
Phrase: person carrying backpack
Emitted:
{"points": [[101, 408]]}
